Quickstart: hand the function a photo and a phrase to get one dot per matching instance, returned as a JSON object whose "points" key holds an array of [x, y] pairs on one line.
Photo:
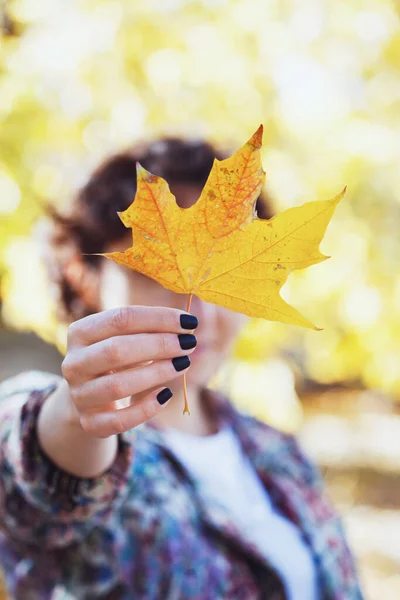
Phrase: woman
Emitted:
{"points": [[107, 489]]}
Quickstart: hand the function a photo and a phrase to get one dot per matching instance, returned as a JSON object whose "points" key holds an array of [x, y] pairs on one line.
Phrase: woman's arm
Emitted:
{"points": [[62, 438], [40, 505], [65, 452]]}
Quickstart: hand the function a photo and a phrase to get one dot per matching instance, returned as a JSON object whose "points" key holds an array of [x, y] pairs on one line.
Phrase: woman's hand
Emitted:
{"points": [[105, 364]]}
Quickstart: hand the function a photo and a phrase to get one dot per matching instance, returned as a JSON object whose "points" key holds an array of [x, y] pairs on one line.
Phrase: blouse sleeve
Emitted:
{"points": [[41, 504]]}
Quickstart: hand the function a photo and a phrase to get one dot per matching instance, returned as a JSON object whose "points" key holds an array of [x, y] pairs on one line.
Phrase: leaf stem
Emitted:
{"points": [[186, 407]]}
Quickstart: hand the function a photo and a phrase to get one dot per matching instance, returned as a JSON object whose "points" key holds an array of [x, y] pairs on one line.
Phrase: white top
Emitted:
{"points": [[225, 474]]}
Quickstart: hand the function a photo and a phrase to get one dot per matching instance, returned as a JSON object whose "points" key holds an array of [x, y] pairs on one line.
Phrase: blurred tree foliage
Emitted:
{"points": [[82, 78]]}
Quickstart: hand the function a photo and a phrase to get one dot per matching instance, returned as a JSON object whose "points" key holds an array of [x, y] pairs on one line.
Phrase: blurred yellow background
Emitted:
{"points": [[81, 79]]}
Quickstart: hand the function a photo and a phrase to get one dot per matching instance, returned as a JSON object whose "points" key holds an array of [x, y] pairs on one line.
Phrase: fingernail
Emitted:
{"points": [[181, 362], [164, 396], [188, 321], [187, 341]]}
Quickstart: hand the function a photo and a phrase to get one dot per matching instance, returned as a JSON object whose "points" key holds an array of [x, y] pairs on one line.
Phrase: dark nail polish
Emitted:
{"points": [[164, 396], [187, 341], [188, 321], [181, 362]]}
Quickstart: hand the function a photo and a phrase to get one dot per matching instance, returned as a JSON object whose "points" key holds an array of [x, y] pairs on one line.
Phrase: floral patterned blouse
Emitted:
{"points": [[143, 531]]}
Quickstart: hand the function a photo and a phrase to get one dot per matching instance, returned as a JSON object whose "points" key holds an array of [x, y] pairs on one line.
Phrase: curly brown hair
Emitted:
{"points": [[92, 223]]}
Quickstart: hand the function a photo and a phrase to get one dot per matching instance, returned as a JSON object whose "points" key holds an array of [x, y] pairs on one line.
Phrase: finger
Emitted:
{"points": [[129, 320], [104, 424], [124, 351], [108, 388]]}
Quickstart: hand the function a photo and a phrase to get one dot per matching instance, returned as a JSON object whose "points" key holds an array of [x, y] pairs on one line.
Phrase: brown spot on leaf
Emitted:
{"points": [[152, 178]]}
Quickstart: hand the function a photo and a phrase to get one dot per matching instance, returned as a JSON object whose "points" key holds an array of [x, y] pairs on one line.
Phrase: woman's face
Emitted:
{"points": [[218, 327]]}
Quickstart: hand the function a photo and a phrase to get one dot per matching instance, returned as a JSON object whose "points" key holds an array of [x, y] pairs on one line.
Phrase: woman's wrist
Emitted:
{"points": [[63, 440]]}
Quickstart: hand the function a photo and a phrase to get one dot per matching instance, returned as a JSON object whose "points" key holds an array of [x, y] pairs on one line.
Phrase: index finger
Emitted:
{"points": [[126, 320]]}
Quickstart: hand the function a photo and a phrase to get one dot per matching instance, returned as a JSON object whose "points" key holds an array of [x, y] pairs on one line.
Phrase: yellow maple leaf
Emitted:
{"points": [[218, 249]]}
